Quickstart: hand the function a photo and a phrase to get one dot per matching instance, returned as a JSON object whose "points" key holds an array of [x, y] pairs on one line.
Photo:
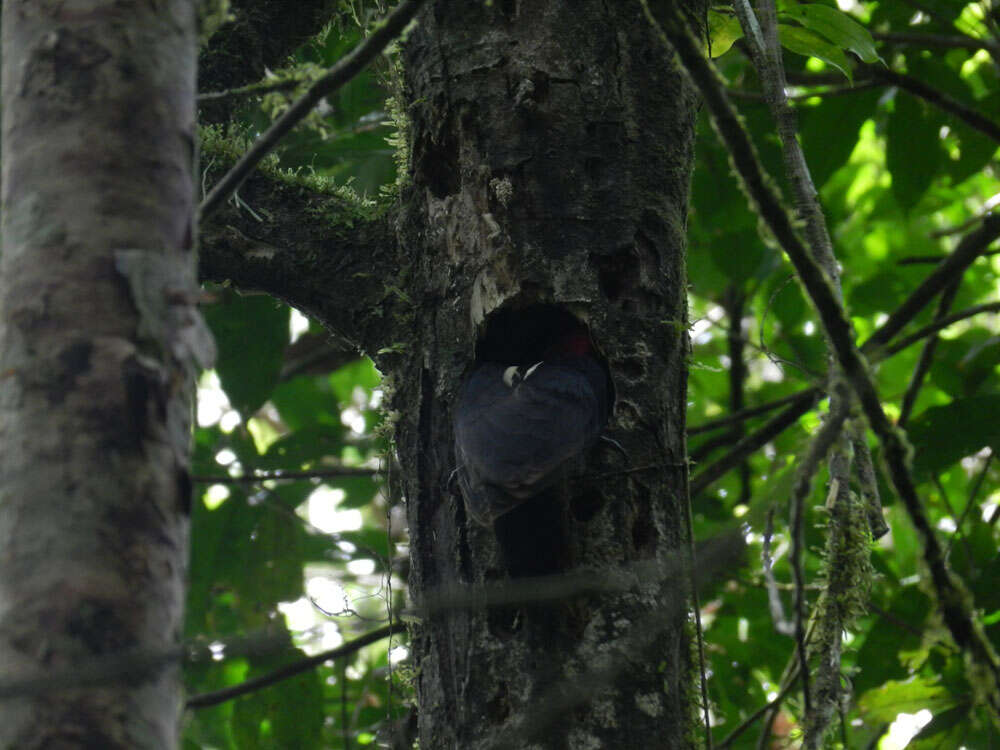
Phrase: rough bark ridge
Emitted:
{"points": [[551, 154], [99, 339]]}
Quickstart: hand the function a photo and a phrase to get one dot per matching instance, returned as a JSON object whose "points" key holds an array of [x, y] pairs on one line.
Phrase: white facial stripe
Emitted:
{"points": [[532, 369], [509, 374]]}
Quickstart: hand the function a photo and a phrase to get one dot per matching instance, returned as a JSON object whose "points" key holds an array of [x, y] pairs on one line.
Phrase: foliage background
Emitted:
{"points": [[313, 562]]}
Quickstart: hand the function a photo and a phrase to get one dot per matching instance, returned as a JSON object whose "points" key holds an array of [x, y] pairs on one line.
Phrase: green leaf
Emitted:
{"points": [[374, 542], [967, 365], [838, 27], [805, 42], [306, 445], [975, 148], [272, 563], [884, 703], [879, 653], [287, 715], [305, 401], [950, 729], [913, 152], [358, 374], [830, 131], [723, 30], [250, 333], [941, 435], [742, 256], [360, 491]]}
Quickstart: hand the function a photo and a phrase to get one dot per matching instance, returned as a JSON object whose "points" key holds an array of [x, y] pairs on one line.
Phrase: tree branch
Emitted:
{"points": [[754, 441], [867, 481], [828, 91], [290, 670], [260, 37], [325, 254], [956, 41], [743, 415], [913, 86], [285, 476], [252, 89], [752, 718], [969, 248], [926, 358], [822, 442], [953, 599], [337, 76], [939, 99]]}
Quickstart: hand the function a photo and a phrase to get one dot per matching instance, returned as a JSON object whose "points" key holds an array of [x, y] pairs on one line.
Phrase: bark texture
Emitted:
{"points": [[551, 151], [99, 340]]}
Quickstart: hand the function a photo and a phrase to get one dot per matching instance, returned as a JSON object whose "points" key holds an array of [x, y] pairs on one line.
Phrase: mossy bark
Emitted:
{"points": [[551, 153]]}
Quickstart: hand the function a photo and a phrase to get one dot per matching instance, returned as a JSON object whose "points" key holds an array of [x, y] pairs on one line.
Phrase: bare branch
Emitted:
{"points": [[286, 476], [826, 92], [253, 89], [753, 411], [754, 441], [969, 248], [926, 358], [939, 324], [939, 99], [865, 471], [927, 41], [290, 670], [913, 86]]}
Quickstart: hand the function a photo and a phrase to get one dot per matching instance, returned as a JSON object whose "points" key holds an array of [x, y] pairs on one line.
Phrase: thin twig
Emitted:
{"points": [[290, 670], [737, 378], [788, 679], [781, 623], [926, 358], [826, 92], [969, 248], [253, 89], [983, 211], [957, 520], [345, 69], [892, 619], [753, 411], [939, 324], [753, 442], [696, 605], [977, 483], [912, 86], [286, 476], [944, 102], [752, 718], [865, 472], [956, 41]]}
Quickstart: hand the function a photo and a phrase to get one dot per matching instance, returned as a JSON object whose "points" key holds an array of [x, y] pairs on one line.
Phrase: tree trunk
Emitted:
{"points": [[98, 345], [551, 153]]}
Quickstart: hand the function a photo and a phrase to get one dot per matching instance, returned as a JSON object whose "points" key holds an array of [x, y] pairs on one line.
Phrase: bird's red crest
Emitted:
{"points": [[575, 345]]}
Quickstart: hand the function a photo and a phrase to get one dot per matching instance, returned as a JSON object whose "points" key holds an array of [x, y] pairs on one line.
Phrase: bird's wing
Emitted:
{"points": [[518, 438]]}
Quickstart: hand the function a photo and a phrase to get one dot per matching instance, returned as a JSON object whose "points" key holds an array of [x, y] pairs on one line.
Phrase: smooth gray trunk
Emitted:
{"points": [[98, 342]]}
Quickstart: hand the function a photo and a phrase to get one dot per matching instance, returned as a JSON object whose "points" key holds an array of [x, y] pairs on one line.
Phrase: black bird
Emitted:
{"points": [[518, 428]]}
